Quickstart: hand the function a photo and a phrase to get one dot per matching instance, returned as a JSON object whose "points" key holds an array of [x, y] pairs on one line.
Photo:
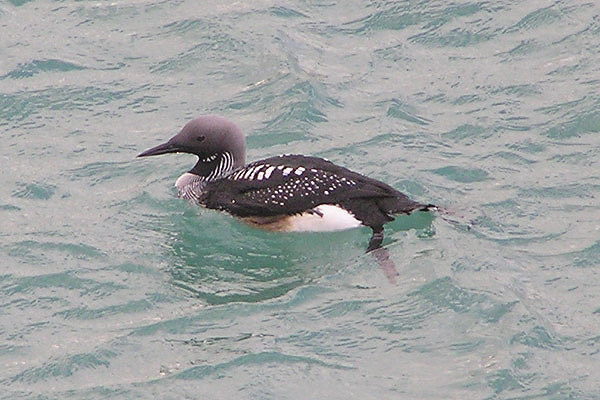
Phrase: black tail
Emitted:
{"points": [[426, 207], [402, 205], [388, 207]]}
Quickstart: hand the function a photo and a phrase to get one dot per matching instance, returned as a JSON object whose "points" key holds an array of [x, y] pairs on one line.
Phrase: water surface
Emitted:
{"points": [[111, 287]]}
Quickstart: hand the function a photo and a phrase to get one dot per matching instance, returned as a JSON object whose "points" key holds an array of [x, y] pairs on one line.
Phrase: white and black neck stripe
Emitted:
{"points": [[213, 167], [208, 169], [223, 168]]}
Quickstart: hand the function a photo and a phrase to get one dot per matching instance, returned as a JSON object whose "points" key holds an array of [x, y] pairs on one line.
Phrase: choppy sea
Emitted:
{"points": [[113, 288]]}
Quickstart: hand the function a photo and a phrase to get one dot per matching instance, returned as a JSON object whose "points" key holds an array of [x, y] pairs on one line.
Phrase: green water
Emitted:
{"points": [[111, 287]]}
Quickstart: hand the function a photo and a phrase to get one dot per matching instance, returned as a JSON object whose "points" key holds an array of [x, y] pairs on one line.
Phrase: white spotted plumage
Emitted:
{"points": [[248, 173], [269, 171]]}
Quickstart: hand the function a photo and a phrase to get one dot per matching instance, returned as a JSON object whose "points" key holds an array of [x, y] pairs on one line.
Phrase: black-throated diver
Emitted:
{"points": [[281, 193]]}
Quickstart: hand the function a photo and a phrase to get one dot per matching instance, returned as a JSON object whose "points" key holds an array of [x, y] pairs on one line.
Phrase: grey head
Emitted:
{"points": [[219, 144]]}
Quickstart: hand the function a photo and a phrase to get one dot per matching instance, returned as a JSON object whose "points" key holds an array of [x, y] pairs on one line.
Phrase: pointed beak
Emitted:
{"points": [[164, 148]]}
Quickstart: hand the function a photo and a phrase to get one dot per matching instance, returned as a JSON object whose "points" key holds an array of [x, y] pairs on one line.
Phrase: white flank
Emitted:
{"points": [[332, 218]]}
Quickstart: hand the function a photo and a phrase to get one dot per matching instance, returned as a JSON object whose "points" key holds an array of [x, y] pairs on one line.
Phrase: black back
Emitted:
{"points": [[292, 184]]}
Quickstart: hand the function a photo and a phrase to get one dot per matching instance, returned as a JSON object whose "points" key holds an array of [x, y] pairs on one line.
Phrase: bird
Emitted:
{"points": [[283, 193]]}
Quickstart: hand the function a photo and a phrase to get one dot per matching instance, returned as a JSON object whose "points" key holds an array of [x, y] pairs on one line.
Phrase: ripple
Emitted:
{"points": [[442, 294], [583, 158], [528, 146], [37, 66], [97, 173], [586, 257], [65, 367], [300, 105], [513, 158], [573, 190], [538, 336], [505, 379], [35, 191], [211, 49], [519, 90], [535, 19], [341, 308], [403, 111], [9, 207], [520, 51], [286, 12], [22, 105], [87, 313], [462, 174], [573, 118], [248, 265], [454, 38], [184, 26], [468, 133], [30, 251], [394, 16], [409, 314], [584, 123], [271, 359], [18, 3], [65, 280]]}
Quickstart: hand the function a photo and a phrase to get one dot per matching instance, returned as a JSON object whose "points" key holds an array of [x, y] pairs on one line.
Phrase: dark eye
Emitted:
{"points": [[200, 138]]}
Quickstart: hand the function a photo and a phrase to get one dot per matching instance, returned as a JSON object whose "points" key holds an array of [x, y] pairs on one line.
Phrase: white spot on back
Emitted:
{"points": [[269, 171], [248, 172], [255, 170], [287, 171], [300, 170], [238, 174]]}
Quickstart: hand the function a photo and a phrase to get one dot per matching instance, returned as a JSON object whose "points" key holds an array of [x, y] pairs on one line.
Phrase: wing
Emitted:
{"points": [[292, 184]]}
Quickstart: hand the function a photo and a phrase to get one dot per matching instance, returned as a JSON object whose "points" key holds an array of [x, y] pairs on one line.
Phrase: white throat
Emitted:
{"points": [[190, 186]]}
